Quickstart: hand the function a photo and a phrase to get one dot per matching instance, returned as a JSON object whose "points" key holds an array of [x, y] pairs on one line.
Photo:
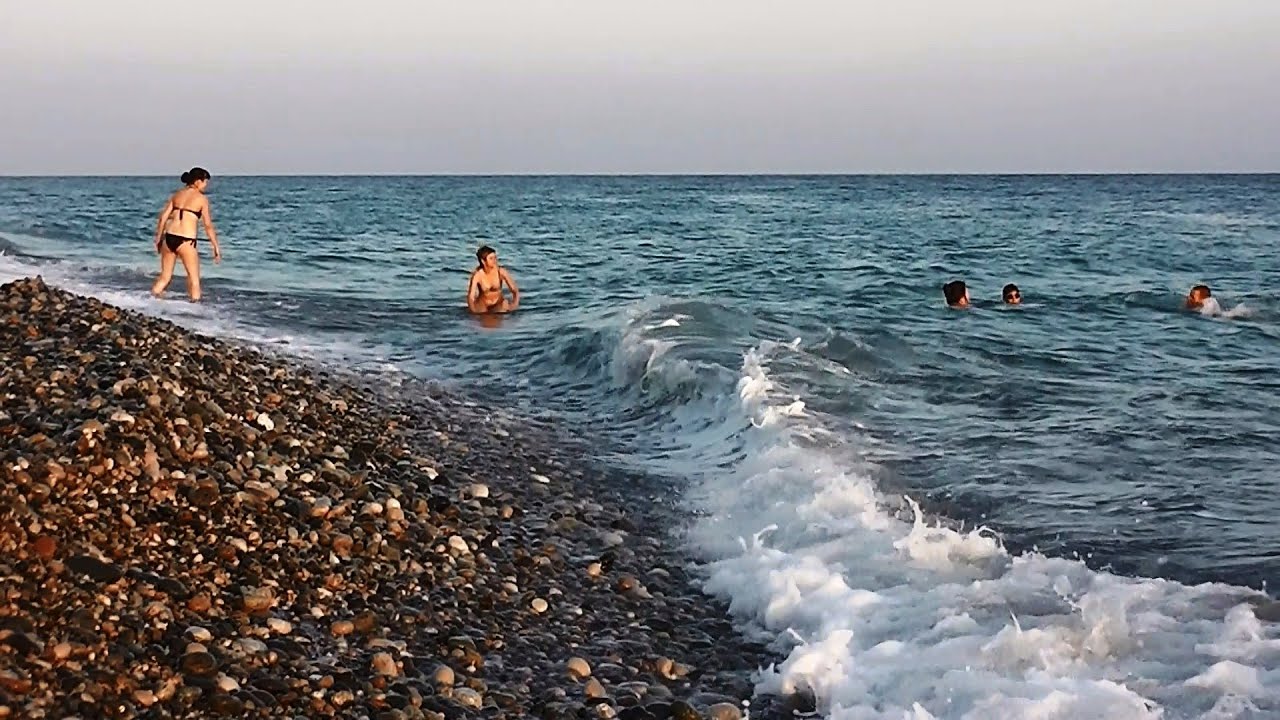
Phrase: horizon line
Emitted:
{"points": [[535, 174]]}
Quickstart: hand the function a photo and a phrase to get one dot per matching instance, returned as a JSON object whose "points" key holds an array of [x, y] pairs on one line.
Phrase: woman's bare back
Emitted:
{"points": [[189, 205]]}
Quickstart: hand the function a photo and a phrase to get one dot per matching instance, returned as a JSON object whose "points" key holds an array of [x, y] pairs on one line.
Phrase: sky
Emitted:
{"points": [[661, 86]]}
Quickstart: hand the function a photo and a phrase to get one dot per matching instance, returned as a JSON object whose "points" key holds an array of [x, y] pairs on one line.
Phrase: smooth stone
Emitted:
{"points": [[443, 675], [467, 697], [259, 599], [321, 507], [539, 605], [384, 664], [226, 705], [250, 646], [578, 668], [199, 663], [724, 711], [195, 633], [594, 689], [227, 684], [681, 710], [96, 569]]}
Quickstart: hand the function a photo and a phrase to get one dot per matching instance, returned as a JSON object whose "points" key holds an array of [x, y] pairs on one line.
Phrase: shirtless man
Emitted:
{"points": [[484, 292]]}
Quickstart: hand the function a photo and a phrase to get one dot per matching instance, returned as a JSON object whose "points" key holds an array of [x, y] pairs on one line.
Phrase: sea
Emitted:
{"points": [[1063, 509]]}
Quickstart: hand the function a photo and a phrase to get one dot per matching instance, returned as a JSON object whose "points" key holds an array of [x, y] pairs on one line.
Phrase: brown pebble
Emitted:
{"points": [[366, 622], [340, 628], [259, 599], [578, 668], [724, 711], [443, 676], [384, 664], [341, 545], [45, 546], [14, 684], [199, 603]]}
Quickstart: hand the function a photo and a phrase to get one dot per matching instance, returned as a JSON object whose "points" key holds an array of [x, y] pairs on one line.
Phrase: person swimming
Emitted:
{"points": [[1201, 300], [484, 291], [1011, 295], [1197, 297], [956, 294], [176, 232]]}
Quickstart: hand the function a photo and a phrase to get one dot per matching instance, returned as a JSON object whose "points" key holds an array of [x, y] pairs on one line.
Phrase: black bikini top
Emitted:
{"points": [[193, 212]]}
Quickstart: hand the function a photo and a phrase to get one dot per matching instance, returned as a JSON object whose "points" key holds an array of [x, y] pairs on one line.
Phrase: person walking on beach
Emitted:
{"points": [[176, 232], [484, 291]]}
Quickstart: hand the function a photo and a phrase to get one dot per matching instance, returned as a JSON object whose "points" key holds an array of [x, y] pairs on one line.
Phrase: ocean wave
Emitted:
{"points": [[893, 617]]}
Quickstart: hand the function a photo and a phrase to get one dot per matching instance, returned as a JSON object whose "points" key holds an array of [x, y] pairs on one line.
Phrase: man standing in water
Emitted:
{"points": [[484, 292]]}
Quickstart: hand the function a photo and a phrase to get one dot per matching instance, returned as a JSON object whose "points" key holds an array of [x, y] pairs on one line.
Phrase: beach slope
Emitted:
{"points": [[189, 527]]}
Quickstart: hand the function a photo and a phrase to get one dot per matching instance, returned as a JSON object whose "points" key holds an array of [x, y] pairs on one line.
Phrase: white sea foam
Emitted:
{"points": [[880, 617], [1211, 308], [204, 318]]}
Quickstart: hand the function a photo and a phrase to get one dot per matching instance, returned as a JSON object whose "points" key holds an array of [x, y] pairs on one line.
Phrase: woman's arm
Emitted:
{"points": [[165, 212], [515, 291], [473, 302], [207, 218]]}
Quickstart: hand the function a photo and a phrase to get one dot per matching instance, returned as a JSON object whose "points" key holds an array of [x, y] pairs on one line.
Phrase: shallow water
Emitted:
{"points": [[778, 347]]}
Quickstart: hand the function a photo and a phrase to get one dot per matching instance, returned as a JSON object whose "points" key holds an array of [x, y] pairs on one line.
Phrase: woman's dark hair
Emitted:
{"points": [[195, 174], [482, 253]]}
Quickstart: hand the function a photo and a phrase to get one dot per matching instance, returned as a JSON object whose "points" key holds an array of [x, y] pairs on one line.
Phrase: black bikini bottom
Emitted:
{"points": [[175, 241]]}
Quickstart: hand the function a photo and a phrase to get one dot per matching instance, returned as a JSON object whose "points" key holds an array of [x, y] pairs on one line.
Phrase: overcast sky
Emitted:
{"points": [[606, 86]]}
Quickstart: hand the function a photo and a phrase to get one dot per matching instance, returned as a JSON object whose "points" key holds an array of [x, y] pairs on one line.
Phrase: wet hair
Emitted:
{"points": [[954, 292], [1009, 290], [1201, 291], [482, 253], [194, 175]]}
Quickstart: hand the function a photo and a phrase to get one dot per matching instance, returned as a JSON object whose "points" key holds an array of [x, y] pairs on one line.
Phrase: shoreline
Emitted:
{"points": [[192, 525]]}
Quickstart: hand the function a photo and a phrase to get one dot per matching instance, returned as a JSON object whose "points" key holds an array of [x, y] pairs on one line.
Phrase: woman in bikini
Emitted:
{"points": [[484, 292], [176, 232]]}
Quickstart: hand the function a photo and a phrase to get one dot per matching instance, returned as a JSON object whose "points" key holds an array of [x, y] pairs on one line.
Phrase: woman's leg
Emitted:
{"points": [[191, 263], [167, 259]]}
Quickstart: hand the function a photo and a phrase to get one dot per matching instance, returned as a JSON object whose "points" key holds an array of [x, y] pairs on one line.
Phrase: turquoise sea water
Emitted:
{"points": [[675, 318]]}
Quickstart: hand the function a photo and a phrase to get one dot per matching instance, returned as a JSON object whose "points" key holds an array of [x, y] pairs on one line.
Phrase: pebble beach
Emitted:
{"points": [[190, 527]]}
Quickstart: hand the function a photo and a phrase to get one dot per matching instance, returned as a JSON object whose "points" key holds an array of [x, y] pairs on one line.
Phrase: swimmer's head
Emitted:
{"points": [[956, 293], [196, 177], [1198, 295], [1011, 295], [484, 254]]}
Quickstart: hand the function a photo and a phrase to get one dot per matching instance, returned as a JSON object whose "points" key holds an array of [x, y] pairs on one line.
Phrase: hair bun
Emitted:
{"points": [[186, 178]]}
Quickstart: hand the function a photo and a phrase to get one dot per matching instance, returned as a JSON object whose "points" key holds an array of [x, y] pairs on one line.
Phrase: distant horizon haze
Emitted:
{"points": [[567, 87]]}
